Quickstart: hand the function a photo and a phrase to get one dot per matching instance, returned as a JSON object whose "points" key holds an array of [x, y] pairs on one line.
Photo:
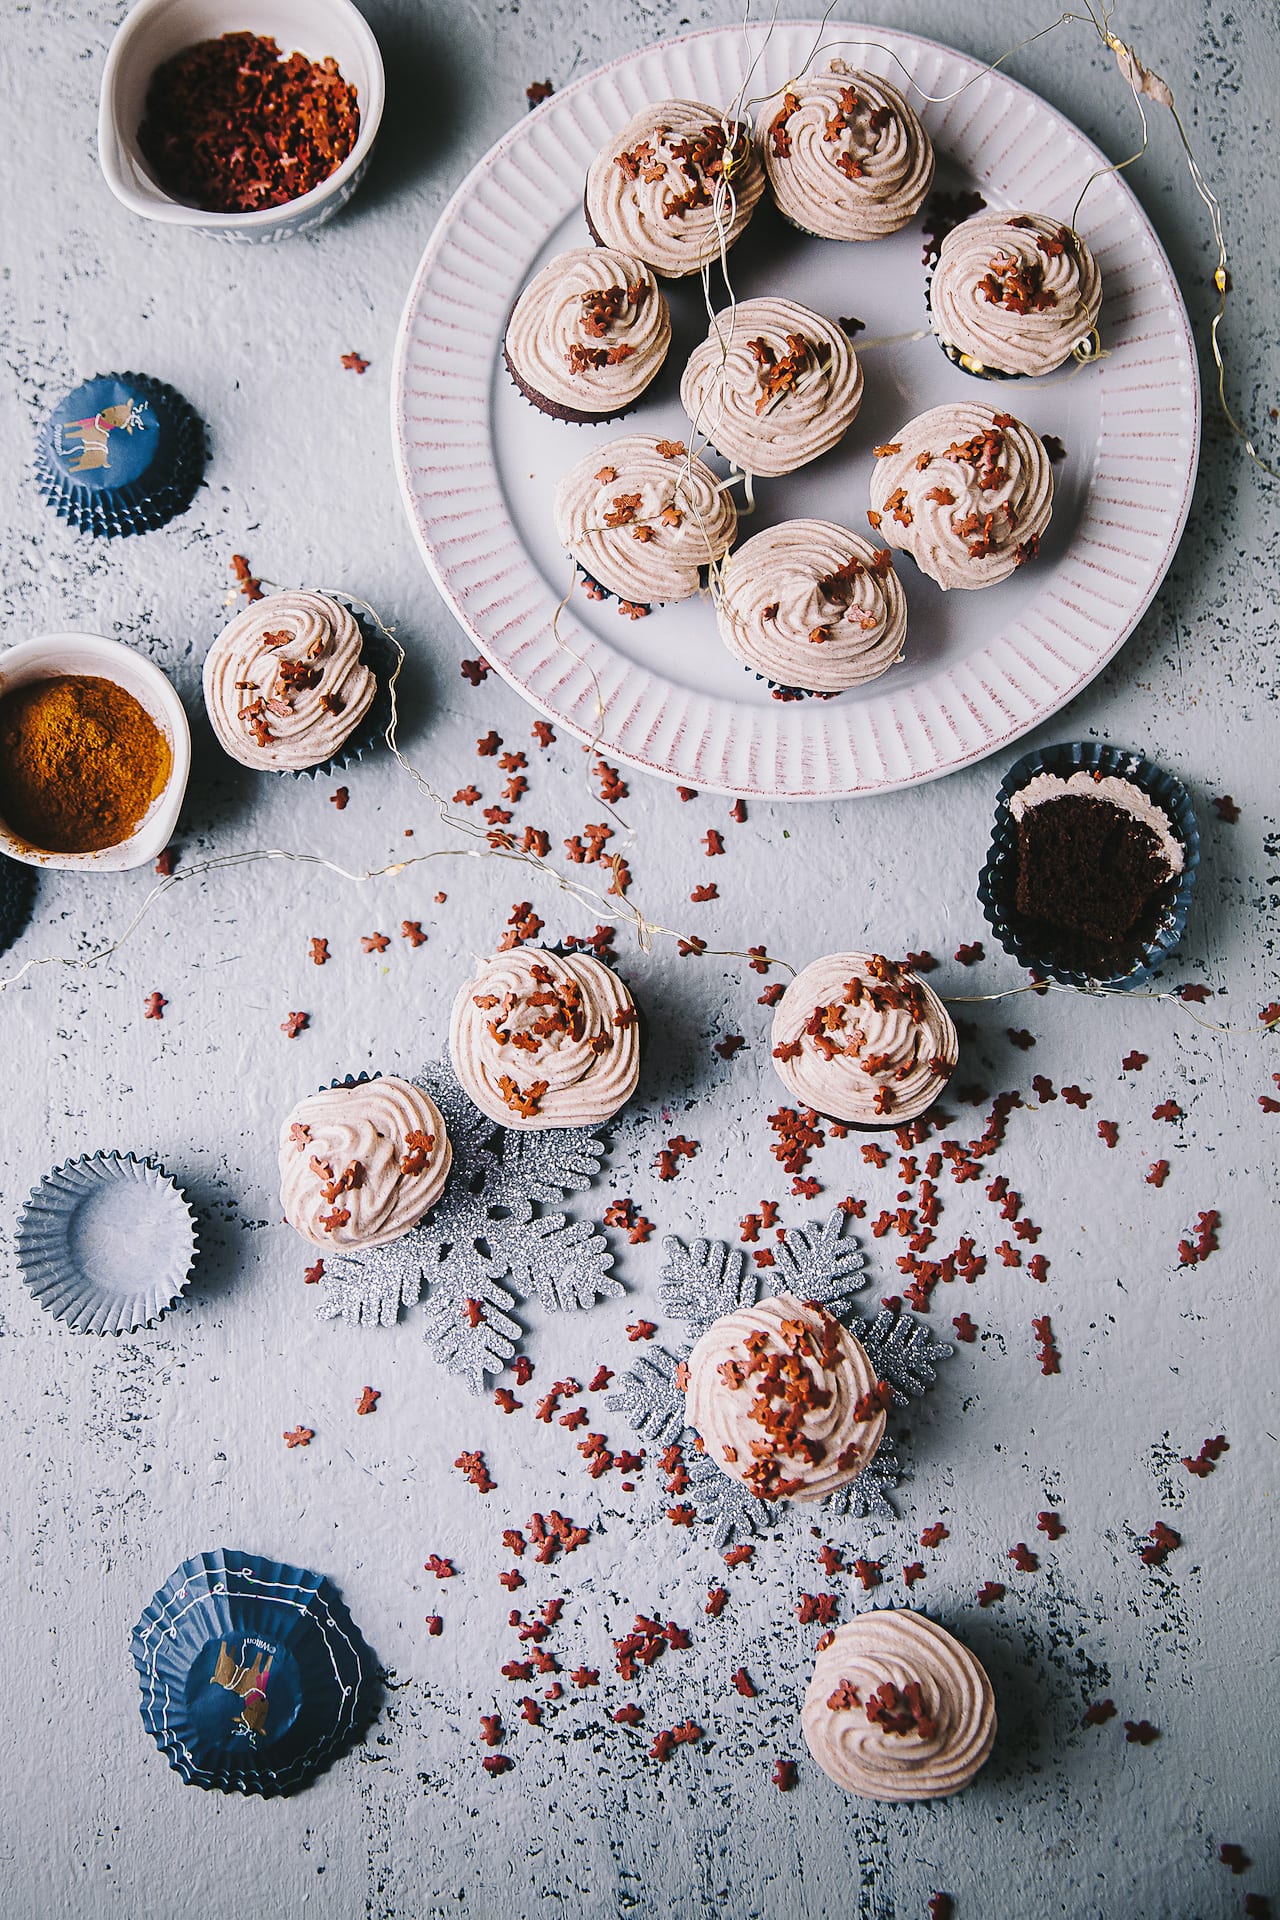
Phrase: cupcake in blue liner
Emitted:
{"points": [[254, 1676], [106, 1243], [17, 896], [122, 454], [299, 683], [1092, 864]]}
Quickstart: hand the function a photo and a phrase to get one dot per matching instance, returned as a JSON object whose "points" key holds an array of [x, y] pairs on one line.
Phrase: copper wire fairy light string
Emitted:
{"points": [[1142, 81]]}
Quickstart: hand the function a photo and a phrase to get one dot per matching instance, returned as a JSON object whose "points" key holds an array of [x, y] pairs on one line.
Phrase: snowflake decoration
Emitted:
{"points": [[486, 1229], [703, 1282]]}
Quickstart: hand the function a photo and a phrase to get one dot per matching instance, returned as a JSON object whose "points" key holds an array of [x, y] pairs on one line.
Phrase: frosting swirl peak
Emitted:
{"points": [[863, 1039], [644, 517], [847, 158], [898, 1709], [545, 1040], [665, 188], [284, 683], [361, 1164], [785, 1399], [810, 605], [773, 385], [966, 491]]}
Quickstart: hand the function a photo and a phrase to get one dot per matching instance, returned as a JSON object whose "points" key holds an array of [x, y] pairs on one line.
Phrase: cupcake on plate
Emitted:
{"points": [[678, 183], [285, 685], [362, 1162], [898, 1709], [541, 1039], [863, 1039], [808, 604], [1013, 294], [847, 158], [784, 1399], [966, 491], [644, 517], [588, 334], [772, 386], [1092, 864]]}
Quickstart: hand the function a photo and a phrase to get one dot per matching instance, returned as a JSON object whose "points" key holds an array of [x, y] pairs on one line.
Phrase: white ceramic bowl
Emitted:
{"points": [[57, 653], [157, 29]]}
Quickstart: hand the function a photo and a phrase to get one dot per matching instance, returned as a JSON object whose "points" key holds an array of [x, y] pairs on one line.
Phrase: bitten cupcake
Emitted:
{"points": [[361, 1163], [846, 157], [808, 604], [644, 518], [966, 491], [588, 334], [1013, 294], [542, 1039], [772, 386], [678, 182], [862, 1039], [898, 1709], [285, 685], [785, 1400]]}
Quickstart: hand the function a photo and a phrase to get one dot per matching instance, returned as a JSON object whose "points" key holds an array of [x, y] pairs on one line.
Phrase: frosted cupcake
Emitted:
{"points": [[285, 685], [644, 518], [898, 1709], [543, 1040], [772, 386], [966, 491], [846, 157], [1013, 294], [862, 1039], [588, 334], [785, 1400], [675, 185], [361, 1164], [808, 604]]}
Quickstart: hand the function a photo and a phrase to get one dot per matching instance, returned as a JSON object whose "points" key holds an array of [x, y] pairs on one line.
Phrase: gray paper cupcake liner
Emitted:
{"points": [[1032, 944], [106, 1243]]}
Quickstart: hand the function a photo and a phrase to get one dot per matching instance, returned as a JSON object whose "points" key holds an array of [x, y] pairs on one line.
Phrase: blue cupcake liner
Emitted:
{"points": [[17, 896], [380, 656], [148, 470], [254, 1677], [106, 1243], [1031, 944]]}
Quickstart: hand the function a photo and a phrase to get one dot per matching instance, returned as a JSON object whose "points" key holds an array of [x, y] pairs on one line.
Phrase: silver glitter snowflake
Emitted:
{"points": [[703, 1282], [486, 1229]]}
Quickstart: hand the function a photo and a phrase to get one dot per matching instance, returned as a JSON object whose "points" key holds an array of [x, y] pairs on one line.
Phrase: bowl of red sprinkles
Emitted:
{"points": [[244, 128]]}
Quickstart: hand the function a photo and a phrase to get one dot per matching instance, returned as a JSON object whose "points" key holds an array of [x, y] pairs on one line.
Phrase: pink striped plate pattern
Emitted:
{"points": [[478, 464]]}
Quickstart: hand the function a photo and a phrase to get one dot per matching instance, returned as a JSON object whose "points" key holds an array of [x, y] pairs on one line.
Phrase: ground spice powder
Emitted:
{"points": [[231, 126], [80, 763]]}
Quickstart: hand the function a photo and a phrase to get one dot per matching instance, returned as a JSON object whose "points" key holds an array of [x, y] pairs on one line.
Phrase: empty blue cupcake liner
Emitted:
{"points": [[17, 896], [1032, 945], [133, 505], [106, 1243], [253, 1675]]}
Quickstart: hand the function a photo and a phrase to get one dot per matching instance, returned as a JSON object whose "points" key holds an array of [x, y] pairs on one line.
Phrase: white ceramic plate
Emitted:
{"points": [[478, 464]]}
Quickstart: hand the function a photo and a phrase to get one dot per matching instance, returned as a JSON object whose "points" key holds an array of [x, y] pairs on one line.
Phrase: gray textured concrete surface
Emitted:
{"points": [[120, 1458]]}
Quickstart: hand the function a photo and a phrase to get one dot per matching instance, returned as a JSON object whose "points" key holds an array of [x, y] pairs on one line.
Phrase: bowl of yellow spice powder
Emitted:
{"points": [[94, 754]]}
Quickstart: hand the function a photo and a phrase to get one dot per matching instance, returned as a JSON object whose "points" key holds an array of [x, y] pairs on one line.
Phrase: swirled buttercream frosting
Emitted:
{"points": [[588, 334], [1118, 792], [772, 386], [785, 1399], [361, 1164], [898, 1709], [846, 157], [966, 491], [679, 181], [545, 1040], [644, 517], [809, 604], [863, 1039], [284, 684], [1014, 293]]}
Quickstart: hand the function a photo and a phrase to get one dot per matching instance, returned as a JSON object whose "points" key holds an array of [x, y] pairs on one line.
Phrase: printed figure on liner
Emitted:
{"points": [[92, 435], [251, 1684]]}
